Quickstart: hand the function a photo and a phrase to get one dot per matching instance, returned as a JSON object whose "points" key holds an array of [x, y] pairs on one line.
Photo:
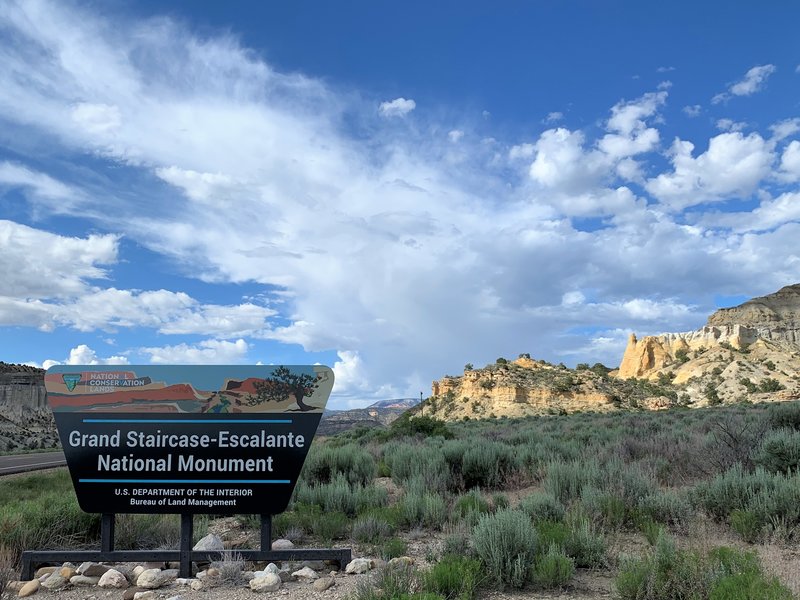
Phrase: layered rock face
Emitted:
{"points": [[775, 317], [25, 419], [772, 317], [21, 387], [518, 388]]}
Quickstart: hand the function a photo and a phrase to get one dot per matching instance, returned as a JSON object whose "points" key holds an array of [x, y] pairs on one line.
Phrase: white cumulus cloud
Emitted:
{"points": [[733, 165], [399, 107]]}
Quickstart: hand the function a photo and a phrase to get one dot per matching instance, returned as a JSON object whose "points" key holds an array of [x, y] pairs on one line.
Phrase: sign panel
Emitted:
{"points": [[186, 439]]}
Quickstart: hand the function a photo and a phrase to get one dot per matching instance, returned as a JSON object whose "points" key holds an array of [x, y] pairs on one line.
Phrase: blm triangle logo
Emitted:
{"points": [[71, 379]]}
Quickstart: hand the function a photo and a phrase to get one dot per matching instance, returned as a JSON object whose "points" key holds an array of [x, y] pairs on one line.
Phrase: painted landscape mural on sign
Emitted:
{"points": [[148, 388]]}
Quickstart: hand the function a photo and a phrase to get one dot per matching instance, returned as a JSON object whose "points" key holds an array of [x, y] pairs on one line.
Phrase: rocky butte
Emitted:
{"points": [[748, 353], [25, 420]]}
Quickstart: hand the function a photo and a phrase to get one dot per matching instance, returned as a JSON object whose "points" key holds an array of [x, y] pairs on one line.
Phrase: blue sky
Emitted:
{"points": [[390, 189]]}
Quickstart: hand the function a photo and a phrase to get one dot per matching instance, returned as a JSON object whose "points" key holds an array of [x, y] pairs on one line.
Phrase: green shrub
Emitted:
{"points": [[553, 569], [651, 530], [746, 524], [779, 451], [424, 462], [667, 507], [542, 506], [585, 544], [470, 507], [722, 574], [391, 583], [393, 547], [770, 385], [664, 574], [785, 415], [566, 480], [457, 542], [487, 464], [408, 425], [499, 500], [325, 462], [551, 532], [740, 577], [331, 527], [453, 578], [371, 529], [604, 507], [771, 497], [506, 544], [341, 496]]}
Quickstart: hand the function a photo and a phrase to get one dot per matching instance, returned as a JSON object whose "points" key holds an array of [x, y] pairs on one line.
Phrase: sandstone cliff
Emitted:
{"points": [[25, 420], [748, 352]]}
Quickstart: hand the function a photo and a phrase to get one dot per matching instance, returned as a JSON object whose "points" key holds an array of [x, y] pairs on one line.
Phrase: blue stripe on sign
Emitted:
{"points": [[180, 421], [250, 481]]}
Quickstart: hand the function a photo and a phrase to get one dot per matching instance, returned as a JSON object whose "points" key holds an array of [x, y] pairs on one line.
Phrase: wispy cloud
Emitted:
{"points": [[753, 81]]}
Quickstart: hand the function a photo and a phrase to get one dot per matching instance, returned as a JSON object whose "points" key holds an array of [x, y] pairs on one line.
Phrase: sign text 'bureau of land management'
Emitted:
{"points": [[186, 439]]}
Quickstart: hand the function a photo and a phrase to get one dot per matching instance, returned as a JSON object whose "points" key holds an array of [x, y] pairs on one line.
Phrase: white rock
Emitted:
{"points": [[148, 595], [209, 543], [271, 568], [113, 579], [268, 583], [282, 545], [196, 585], [358, 566], [150, 579], [138, 570], [305, 574]]}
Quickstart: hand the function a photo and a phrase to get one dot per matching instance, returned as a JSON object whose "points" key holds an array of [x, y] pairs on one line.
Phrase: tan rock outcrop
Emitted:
{"points": [[645, 357], [520, 388]]}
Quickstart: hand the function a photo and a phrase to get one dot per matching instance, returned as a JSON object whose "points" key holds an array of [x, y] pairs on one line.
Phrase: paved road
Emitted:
{"points": [[19, 463]]}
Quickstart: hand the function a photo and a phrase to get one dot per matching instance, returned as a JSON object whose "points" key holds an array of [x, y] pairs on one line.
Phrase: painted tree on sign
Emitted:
{"points": [[284, 383]]}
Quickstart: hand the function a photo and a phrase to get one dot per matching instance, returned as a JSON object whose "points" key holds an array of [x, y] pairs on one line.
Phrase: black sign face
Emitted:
{"points": [[186, 439]]}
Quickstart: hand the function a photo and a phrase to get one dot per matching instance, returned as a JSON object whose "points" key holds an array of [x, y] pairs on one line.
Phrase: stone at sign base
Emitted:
{"points": [[29, 589], [83, 580], [270, 582], [305, 574], [113, 579], [209, 543], [150, 579], [54, 582], [282, 545], [358, 566], [323, 584]]}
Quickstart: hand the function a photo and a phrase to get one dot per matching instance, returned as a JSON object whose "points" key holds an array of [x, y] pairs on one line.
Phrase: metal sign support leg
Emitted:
{"points": [[107, 526], [187, 529]]}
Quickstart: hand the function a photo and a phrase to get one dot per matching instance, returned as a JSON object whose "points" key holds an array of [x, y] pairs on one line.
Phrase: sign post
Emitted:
{"points": [[186, 440]]}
